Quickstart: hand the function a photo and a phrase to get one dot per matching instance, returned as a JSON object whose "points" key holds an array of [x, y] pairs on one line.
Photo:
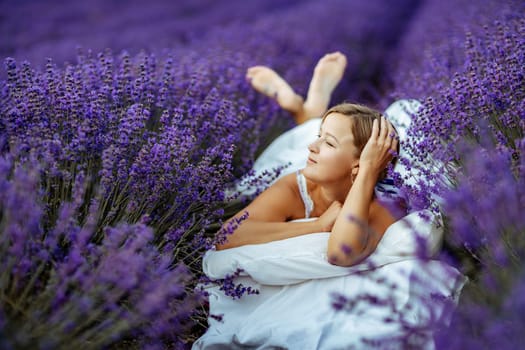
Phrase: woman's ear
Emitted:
{"points": [[355, 166], [355, 170]]}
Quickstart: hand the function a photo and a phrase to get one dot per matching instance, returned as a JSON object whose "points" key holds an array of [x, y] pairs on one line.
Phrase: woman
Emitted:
{"points": [[354, 145], [298, 274]]}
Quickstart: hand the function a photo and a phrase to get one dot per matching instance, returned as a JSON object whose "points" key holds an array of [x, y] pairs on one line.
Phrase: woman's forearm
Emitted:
{"points": [[350, 238], [257, 232]]}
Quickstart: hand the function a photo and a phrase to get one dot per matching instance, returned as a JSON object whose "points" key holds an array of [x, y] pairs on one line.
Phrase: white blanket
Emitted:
{"points": [[296, 285]]}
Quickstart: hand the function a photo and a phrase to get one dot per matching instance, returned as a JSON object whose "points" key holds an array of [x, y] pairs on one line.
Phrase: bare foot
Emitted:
{"points": [[327, 74], [268, 82]]}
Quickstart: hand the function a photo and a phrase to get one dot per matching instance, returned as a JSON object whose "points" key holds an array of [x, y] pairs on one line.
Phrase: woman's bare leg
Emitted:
{"points": [[327, 74], [268, 82]]}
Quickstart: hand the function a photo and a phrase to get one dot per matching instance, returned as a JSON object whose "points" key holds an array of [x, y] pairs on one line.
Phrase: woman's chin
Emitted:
{"points": [[310, 173]]}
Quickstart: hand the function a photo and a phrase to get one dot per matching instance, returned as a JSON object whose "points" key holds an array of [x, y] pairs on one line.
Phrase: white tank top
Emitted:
{"points": [[303, 190]]}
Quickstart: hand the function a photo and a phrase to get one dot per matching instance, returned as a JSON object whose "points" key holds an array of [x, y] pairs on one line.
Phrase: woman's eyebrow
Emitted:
{"points": [[328, 134]]}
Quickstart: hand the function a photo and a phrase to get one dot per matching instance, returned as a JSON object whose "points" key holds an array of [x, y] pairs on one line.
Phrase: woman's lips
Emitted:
{"points": [[311, 161]]}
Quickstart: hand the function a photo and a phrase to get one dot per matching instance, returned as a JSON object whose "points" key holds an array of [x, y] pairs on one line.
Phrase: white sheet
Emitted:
{"points": [[296, 284]]}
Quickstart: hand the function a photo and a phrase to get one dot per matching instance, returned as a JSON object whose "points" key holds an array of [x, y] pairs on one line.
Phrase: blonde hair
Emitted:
{"points": [[361, 127]]}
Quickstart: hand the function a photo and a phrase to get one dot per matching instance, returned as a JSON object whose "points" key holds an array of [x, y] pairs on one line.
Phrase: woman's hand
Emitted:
{"points": [[380, 148], [327, 219]]}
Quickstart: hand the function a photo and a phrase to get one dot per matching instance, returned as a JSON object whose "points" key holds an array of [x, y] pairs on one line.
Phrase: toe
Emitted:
{"points": [[254, 69]]}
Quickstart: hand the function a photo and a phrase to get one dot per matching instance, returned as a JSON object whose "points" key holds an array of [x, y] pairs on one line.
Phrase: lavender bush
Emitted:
{"points": [[481, 104], [60, 289], [433, 48], [471, 129], [490, 228], [81, 248]]}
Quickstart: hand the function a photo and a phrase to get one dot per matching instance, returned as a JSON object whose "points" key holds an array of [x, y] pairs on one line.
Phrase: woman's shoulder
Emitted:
{"points": [[289, 188], [289, 182]]}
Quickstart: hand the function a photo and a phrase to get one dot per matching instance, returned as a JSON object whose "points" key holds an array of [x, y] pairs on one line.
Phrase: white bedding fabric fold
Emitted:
{"points": [[296, 285]]}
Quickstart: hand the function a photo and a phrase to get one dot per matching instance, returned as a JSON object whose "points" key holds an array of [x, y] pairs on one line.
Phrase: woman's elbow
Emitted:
{"points": [[340, 260], [344, 255], [222, 246], [227, 244]]}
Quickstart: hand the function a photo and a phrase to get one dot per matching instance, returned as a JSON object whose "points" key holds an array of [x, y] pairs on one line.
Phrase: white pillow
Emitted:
{"points": [[418, 233], [296, 259]]}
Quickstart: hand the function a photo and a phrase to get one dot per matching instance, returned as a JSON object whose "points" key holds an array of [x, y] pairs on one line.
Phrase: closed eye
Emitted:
{"points": [[325, 140]]}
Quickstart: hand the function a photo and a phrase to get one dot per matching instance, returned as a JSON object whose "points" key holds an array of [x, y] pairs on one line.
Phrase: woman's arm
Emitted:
{"points": [[358, 228], [269, 215]]}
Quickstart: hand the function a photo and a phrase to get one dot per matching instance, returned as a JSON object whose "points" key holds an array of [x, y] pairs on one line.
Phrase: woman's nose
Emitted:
{"points": [[314, 146]]}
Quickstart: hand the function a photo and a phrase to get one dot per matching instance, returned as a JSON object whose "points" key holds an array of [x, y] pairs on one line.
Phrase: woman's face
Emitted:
{"points": [[333, 155]]}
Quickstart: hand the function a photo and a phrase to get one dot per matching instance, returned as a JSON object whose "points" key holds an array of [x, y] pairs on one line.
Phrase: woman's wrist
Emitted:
{"points": [[319, 226], [368, 170]]}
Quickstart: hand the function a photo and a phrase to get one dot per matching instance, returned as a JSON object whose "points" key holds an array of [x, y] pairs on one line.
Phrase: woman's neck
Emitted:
{"points": [[329, 193]]}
